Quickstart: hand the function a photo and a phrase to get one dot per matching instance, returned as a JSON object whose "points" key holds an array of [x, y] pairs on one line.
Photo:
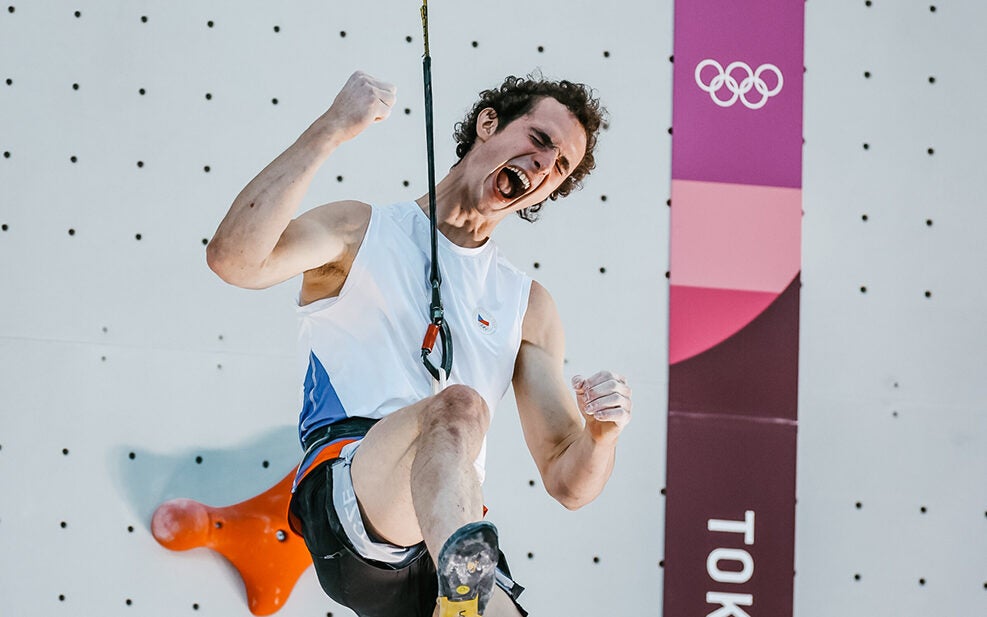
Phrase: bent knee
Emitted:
{"points": [[459, 408], [462, 397]]}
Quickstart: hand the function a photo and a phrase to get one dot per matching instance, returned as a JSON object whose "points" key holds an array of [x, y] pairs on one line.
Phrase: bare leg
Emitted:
{"points": [[413, 474]]}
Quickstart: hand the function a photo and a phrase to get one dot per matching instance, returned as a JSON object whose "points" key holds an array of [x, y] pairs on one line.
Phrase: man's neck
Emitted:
{"points": [[456, 219]]}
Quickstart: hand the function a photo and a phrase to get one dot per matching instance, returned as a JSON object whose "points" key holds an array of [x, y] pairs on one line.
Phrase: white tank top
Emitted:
{"points": [[361, 350]]}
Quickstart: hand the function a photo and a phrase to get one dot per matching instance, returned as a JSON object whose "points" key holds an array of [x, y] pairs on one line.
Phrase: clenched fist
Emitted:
{"points": [[605, 401], [362, 101]]}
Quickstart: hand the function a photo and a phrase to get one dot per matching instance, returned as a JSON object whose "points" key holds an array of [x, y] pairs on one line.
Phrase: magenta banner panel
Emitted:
{"points": [[734, 57], [735, 255]]}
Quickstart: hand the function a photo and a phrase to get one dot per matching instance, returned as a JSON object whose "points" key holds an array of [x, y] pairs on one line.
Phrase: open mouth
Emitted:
{"points": [[512, 182]]}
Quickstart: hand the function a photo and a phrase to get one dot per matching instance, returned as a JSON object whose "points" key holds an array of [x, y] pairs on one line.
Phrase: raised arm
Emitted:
{"points": [[258, 244], [572, 440]]}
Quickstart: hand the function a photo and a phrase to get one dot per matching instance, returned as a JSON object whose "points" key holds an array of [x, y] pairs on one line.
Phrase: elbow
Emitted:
{"points": [[569, 499], [214, 257], [226, 267], [218, 261], [571, 504]]}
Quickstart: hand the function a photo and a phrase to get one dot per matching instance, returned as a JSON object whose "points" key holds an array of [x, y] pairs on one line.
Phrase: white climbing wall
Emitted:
{"points": [[892, 485], [130, 374]]}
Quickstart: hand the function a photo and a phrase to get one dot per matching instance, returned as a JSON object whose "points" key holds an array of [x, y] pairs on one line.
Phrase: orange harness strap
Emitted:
{"points": [[327, 454]]}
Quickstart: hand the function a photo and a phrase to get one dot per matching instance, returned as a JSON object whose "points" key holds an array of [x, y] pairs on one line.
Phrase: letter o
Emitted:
{"points": [[730, 554]]}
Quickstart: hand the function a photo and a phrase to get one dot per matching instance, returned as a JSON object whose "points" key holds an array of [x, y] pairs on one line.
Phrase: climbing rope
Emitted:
{"points": [[438, 328]]}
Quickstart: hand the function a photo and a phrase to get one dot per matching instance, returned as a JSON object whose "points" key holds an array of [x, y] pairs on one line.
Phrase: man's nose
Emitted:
{"points": [[543, 160]]}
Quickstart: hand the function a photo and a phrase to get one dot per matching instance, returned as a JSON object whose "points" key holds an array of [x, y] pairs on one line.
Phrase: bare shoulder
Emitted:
{"points": [[343, 218], [328, 232], [542, 325]]}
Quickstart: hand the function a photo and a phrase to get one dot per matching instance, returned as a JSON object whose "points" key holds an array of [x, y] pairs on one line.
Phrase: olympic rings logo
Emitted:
{"points": [[738, 90]]}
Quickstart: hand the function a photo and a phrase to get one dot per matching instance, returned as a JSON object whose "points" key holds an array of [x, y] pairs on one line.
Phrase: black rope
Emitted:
{"points": [[438, 326]]}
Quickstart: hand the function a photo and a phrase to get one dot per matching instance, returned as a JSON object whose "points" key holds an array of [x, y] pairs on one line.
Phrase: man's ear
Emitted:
{"points": [[486, 123]]}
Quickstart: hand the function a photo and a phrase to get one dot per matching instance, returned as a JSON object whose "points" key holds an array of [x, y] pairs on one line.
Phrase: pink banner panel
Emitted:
{"points": [[734, 308], [733, 236]]}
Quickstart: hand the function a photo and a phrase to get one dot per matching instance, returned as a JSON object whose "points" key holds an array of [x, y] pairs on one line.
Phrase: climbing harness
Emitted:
{"points": [[438, 328]]}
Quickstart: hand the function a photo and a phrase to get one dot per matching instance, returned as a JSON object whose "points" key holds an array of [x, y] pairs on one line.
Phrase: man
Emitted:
{"points": [[388, 494]]}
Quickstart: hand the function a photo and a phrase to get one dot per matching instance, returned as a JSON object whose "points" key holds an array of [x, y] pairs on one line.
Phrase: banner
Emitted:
{"points": [[734, 305]]}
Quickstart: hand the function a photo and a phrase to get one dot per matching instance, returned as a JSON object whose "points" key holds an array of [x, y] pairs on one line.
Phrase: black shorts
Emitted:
{"points": [[370, 588]]}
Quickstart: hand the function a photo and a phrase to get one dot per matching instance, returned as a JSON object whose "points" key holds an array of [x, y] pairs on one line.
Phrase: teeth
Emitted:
{"points": [[521, 175]]}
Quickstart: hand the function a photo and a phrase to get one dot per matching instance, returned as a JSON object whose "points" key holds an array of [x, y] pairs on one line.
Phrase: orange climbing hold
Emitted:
{"points": [[253, 535]]}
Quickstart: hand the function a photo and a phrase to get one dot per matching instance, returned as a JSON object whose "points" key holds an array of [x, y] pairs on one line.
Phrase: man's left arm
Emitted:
{"points": [[572, 439]]}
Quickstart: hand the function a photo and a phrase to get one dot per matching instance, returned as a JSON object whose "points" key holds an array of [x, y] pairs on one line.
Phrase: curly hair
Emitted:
{"points": [[515, 98]]}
